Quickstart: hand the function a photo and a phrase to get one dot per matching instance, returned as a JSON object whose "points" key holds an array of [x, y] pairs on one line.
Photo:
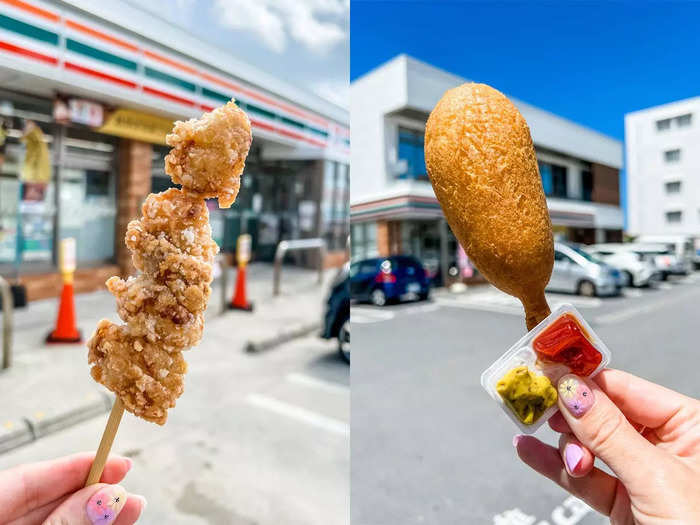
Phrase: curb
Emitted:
{"points": [[282, 336], [19, 432]]}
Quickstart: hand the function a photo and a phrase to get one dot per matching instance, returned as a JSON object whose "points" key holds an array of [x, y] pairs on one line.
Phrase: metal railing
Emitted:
{"points": [[299, 244], [8, 306]]}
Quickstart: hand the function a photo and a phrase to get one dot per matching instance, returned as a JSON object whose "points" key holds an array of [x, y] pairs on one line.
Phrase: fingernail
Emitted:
{"points": [[516, 439], [572, 455], [106, 504], [144, 502], [575, 395]]}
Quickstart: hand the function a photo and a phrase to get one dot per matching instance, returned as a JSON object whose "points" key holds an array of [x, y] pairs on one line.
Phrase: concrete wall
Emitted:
{"points": [[647, 172]]}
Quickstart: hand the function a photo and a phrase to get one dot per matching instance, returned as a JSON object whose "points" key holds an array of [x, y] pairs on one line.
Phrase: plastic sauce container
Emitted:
{"points": [[523, 381]]}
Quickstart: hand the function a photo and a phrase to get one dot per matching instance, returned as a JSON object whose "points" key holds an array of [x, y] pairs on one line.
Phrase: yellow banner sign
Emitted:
{"points": [[132, 124]]}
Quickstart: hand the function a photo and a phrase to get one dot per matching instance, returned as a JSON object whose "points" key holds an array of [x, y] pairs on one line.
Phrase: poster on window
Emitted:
{"points": [[307, 215]]}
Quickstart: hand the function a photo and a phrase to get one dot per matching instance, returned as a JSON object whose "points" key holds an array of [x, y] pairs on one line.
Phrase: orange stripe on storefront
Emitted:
{"points": [[29, 8], [170, 62], [101, 35]]}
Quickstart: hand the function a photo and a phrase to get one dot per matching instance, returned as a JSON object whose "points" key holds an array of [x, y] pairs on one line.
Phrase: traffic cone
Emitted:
{"points": [[66, 331], [239, 300]]}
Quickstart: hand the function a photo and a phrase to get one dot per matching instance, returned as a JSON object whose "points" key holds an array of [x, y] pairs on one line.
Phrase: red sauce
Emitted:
{"points": [[565, 341]]}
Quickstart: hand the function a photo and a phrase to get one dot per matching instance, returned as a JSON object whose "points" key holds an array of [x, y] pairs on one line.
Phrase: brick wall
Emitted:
{"points": [[606, 184], [134, 183]]}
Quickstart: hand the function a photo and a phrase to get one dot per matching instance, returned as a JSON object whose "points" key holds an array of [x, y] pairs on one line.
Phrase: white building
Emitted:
{"points": [[104, 82], [663, 167], [393, 207]]}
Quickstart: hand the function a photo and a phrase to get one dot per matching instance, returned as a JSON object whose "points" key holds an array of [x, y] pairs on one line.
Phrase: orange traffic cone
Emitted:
{"points": [[66, 331], [240, 301]]}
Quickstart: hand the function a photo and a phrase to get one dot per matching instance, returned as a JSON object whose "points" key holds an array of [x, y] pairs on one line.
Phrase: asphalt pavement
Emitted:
{"points": [[257, 439], [430, 447]]}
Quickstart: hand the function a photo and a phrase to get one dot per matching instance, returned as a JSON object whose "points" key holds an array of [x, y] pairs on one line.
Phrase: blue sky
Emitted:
{"points": [[591, 62]]}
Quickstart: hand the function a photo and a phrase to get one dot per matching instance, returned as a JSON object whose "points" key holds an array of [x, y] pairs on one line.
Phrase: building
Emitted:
{"points": [[104, 81], [663, 159], [392, 205]]}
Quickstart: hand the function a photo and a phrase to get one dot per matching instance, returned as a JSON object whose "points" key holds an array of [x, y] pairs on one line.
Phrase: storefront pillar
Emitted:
{"points": [[383, 247], [133, 185]]}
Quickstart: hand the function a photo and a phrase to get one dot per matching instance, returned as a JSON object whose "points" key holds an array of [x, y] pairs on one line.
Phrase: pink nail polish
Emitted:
{"points": [[573, 454], [105, 505], [575, 395], [516, 440]]}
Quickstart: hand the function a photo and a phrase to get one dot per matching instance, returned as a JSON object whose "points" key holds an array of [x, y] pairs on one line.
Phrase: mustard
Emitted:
{"points": [[528, 395]]}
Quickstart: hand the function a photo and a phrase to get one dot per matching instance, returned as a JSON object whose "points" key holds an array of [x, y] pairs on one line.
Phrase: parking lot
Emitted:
{"points": [[429, 445]]}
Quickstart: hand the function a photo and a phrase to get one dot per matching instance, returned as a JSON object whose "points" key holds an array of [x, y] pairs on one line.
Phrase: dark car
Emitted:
{"points": [[388, 279], [336, 317]]}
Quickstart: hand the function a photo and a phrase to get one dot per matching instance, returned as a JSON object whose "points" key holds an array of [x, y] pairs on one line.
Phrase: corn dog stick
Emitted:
{"points": [[98, 465]]}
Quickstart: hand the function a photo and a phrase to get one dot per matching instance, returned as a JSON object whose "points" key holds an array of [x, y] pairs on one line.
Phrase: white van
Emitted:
{"points": [[683, 246]]}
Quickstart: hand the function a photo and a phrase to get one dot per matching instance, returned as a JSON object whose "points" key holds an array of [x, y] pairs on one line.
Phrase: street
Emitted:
{"points": [[255, 439], [429, 445]]}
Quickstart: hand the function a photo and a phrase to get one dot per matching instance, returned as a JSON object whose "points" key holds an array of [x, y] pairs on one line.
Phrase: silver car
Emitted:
{"points": [[576, 271]]}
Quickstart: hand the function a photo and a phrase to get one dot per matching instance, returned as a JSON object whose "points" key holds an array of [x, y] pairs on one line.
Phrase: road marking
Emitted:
{"points": [[570, 512], [664, 286], [629, 313], [321, 384], [366, 315], [632, 293], [309, 417], [495, 301]]}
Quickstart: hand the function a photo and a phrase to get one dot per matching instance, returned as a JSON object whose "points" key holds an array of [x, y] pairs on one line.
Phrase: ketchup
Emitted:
{"points": [[565, 341]]}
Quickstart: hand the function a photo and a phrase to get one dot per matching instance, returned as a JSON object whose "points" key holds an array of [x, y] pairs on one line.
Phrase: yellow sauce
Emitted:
{"points": [[528, 395]]}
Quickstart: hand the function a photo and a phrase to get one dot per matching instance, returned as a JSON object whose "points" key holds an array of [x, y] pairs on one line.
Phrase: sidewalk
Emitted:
{"points": [[49, 387]]}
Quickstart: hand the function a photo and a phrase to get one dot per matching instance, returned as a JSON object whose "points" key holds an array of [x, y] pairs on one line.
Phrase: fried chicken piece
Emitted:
{"points": [[209, 154], [163, 307]]}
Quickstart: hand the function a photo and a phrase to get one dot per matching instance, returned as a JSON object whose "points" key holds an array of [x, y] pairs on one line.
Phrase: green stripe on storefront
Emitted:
{"points": [[170, 79], [28, 30], [215, 95], [260, 111], [98, 54]]}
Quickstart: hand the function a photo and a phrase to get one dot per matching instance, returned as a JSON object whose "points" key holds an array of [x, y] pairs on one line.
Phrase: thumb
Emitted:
{"points": [[98, 504], [603, 429]]}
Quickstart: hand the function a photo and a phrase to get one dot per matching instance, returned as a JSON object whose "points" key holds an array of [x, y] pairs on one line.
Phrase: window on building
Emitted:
{"points": [[663, 124], [673, 187], [334, 205], [412, 154], [683, 121], [364, 240], [586, 185], [553, 179], [674, 217], [672, 155]]}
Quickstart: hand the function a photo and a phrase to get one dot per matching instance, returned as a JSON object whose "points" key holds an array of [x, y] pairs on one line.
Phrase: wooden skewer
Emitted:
{"points": [[98, 465]]}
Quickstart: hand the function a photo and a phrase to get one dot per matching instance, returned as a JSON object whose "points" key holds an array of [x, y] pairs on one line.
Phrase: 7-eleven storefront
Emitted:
{"points": [[104, 96]]}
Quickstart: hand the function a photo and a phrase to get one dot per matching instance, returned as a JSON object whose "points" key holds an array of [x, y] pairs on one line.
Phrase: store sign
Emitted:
{"points": [[132, 124], [78, 111]]}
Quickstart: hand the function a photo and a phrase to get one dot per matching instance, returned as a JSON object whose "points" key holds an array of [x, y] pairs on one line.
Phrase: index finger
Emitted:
{"points": [[27, 487], [640, 400]]}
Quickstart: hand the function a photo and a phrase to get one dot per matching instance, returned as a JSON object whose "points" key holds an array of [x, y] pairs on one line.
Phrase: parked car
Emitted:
{"points": [[636, 269], [336, 316], [682, 246], [576, 271], [664, 258], [388, 279]]}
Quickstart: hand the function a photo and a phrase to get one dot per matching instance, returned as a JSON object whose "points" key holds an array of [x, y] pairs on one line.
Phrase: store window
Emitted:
{"points": [[411, 154], [364, 240], [554, 179], [335, 205], [87, 202]]}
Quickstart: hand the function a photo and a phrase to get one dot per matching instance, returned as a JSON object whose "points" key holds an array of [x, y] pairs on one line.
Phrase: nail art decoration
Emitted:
{"points": [[106, 504], [576, 395]]}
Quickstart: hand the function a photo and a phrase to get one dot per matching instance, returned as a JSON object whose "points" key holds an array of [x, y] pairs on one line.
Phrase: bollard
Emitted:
{"points": [[299, 244], [7, 313]]}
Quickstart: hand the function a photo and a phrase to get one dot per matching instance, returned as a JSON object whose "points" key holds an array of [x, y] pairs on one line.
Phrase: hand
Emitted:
{"points": [[51, 492], [648, 435]]}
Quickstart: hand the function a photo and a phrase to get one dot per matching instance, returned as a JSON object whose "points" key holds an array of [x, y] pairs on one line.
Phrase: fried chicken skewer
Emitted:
{"points": [[163, 307]]}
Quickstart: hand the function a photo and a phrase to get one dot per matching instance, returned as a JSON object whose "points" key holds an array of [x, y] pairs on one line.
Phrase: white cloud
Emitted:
{"points": [[316, 24]]}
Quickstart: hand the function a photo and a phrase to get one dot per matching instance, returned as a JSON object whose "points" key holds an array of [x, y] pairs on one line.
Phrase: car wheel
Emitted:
{"points": [[629, 280], [425, 295], [344, 341], [378, 297], [586, 288]]}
